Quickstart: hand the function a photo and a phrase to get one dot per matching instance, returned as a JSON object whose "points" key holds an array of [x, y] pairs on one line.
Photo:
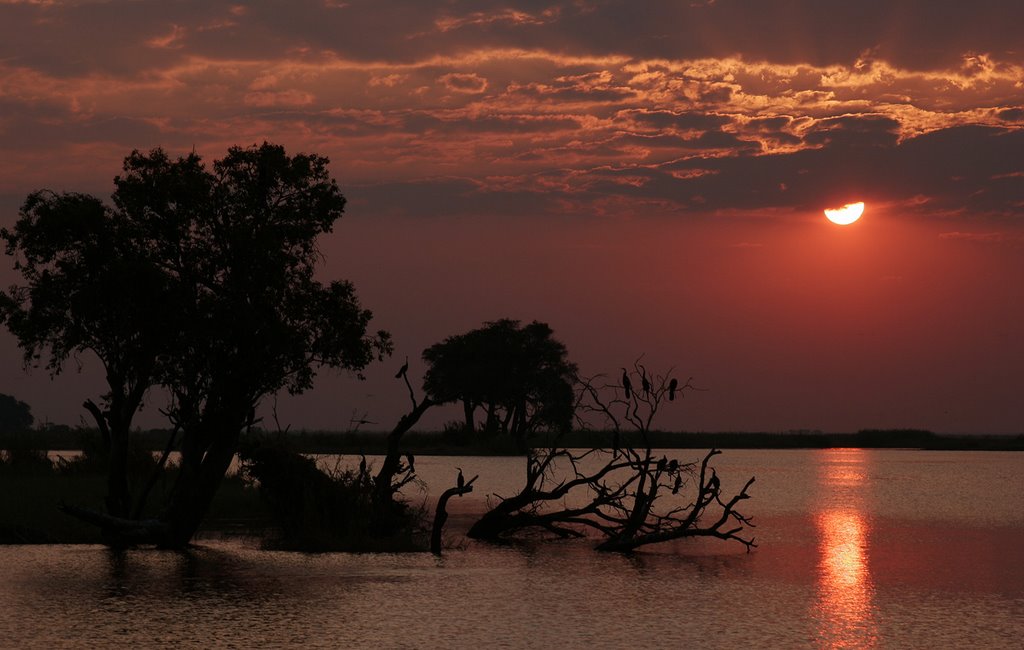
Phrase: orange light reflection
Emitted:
{"points": [[845, 586]]}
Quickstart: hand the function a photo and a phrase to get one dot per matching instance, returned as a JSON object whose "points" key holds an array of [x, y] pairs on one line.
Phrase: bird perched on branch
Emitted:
{"points": [[627, 385], [714, 483], [673, 465], [679, 484], [404, 369], [644, 382], [461, 480], [672, 387], [409, 459]]}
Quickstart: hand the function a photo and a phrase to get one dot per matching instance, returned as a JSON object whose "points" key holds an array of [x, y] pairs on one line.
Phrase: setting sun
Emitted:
{"points": [[845, 215]]}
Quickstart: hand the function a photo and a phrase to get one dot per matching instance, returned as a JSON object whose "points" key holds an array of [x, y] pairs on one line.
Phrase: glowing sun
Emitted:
{"points": [[845, 215]]}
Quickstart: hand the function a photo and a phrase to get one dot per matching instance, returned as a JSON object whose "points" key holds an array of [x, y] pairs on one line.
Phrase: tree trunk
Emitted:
{"points": [[382, 493], [196, 486], [441, 513], [467, 407], [114, 432], [501, 518]]}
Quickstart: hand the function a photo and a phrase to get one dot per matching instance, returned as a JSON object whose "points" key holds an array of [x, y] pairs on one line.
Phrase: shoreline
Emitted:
{"points": [[458, 443]]}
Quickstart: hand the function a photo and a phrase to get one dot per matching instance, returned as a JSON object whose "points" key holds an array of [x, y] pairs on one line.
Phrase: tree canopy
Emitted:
{"points": [[198, 280], [520, 376]]}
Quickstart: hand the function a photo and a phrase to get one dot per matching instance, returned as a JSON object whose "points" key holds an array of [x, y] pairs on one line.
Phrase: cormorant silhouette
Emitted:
{"points": [[627, 385], [409, 459], [673, 465], [679, 483], [404, 369], [662, 464], [715, 484], [644, 382], [362, 465], [461, 480], [672, 387]]}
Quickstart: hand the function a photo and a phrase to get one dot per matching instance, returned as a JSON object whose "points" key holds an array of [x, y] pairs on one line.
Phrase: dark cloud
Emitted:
{"points": [[682, 120], [1011, 114], [854, 131]]}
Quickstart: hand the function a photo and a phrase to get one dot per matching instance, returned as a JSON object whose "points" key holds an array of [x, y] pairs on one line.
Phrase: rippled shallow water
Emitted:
{"points": [[859, 548]]}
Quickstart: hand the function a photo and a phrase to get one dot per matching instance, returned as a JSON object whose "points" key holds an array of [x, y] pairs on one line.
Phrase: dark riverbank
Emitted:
{"points": [[461, 444]]}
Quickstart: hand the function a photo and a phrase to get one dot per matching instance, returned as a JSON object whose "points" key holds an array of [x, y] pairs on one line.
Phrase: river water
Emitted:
{"points": [[858, 548]]}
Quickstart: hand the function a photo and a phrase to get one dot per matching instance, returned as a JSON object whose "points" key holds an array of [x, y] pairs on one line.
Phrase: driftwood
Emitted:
{"points": [[441, 514]]}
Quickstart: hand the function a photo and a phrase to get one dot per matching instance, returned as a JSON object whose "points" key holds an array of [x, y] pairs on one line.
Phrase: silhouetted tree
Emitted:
{"points": [[90, 286], [15, 415], [626, 494], [198, 280], [519, 375]]}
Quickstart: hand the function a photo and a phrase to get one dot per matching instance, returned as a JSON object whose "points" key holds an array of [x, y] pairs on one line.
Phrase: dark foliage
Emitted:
{"points": [[198, 280], [25, 461], [520, 376], [327, 510], [15, 415]]}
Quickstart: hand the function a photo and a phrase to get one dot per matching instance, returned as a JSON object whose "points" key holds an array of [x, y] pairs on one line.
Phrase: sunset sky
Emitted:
{"points": [[648, 178]]}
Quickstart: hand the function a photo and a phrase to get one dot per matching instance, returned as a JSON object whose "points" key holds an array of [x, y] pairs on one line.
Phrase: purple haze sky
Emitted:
{"points": [[648, 179]]}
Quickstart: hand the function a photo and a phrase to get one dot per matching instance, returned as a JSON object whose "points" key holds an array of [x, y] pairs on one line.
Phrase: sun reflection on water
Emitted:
{"points": [[845, 586]]}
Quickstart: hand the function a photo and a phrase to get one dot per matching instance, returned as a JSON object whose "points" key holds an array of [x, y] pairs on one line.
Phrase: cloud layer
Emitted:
{"points": [[555, 107]]}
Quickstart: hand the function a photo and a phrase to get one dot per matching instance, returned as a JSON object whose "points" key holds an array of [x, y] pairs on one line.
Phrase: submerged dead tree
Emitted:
{"points": [[624, 493]]}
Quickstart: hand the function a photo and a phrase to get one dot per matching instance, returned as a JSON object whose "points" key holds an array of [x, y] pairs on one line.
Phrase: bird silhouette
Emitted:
{"points": [[672, 387], [409, 459], [644, 382], [679, 483], [662, 464], [461, 480], [627, 385], [673, 465], [404, 369], [714, 483]]}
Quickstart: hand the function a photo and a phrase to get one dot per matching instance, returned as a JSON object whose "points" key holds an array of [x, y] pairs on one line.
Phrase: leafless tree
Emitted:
{"points": [[624, 493]]}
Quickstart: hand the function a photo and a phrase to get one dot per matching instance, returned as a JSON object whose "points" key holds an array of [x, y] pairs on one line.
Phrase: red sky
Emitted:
{"points": [[648, 181]]}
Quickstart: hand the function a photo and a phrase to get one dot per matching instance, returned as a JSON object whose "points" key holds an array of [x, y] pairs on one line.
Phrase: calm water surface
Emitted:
{"points": [[858, 548]]}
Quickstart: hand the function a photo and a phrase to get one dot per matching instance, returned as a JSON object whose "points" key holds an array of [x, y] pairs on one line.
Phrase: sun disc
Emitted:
{"points": [[845, 215]]}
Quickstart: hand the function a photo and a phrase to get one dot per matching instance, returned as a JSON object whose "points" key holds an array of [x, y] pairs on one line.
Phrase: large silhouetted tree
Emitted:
{"points": [[199, 280], [520, 376]]}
